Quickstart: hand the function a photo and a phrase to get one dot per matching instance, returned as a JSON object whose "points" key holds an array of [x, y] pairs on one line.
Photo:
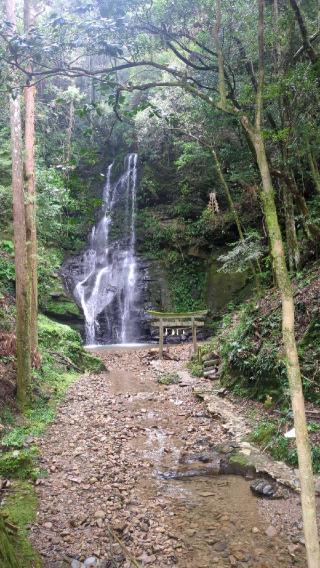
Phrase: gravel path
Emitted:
{"points": [[105, 502]]}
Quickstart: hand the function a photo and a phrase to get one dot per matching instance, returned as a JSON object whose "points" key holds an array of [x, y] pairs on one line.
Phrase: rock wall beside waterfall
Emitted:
{"points": [[120, 275]]}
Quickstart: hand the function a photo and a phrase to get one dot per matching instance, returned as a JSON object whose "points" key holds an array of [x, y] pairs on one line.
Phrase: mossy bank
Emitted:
{"points": [[63, 358]]}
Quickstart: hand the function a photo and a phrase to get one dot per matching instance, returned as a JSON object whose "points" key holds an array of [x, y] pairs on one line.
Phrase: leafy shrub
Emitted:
{"points": [[269, 435], [195, 368], [168, 379]]}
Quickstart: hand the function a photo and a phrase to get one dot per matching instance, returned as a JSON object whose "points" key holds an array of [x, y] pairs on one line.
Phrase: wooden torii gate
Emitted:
{"points": [[164, 320]]}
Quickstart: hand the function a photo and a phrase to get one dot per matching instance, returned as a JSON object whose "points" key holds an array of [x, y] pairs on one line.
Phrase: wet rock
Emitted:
{"points": [[265, 488]]}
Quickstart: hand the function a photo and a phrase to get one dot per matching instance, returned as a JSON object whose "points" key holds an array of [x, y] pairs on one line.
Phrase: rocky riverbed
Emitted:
{"points": [[110, 500]]}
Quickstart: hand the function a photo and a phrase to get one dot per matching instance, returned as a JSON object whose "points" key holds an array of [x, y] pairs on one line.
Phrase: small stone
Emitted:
{"points": [[48, 525], [99, 514], [271, 531], [145, 559], [220, 546], [255, 530], [90, 561], [76, 564]]}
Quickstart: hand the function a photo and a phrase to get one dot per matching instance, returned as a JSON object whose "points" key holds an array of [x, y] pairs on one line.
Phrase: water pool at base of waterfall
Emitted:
{"points": [[120, 346]]}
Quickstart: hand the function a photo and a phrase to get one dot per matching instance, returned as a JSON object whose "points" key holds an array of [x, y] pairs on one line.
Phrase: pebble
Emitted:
{"points": [[76, 564], [99, 514], [271, 531], [220, 546], [48, 525]]}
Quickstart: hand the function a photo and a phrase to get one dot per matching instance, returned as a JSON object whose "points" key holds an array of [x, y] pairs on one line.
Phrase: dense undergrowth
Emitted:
{"points": [[252, 363]]}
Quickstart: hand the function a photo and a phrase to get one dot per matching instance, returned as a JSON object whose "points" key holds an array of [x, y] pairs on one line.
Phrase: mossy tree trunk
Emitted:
{"points": [[314, 171], [29, 171], [292, 360], [288, 332], [23, 348], [291, 233]]}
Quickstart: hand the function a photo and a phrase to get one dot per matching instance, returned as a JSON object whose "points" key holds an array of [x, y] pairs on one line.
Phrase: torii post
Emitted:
{"points": [[177, 319]]}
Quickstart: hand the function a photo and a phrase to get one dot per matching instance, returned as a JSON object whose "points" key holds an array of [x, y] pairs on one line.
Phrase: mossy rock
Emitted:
{"points": [[169, 379], [61, 339], [63, 309], [239, 464]]}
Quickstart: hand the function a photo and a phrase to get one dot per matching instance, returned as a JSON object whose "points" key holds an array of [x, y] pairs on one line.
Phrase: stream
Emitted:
{"points": [[111, 450]]}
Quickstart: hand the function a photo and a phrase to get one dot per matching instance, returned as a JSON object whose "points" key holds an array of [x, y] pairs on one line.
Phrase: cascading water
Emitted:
{"points": [[103, 278]]}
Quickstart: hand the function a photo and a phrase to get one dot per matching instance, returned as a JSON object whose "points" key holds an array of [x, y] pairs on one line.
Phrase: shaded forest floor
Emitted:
{"points": [[112, 497]]}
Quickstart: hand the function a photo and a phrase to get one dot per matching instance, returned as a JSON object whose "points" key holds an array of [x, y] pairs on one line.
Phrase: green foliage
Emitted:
{"points": [[18, 464], [7, 269], [60, 348], [20, 508], [62, 307], [195, 368], [56, 339], [49, 262], [186, 283], [242, 254], [8, 556], [250, 363], [168, 379], [269, 435]]}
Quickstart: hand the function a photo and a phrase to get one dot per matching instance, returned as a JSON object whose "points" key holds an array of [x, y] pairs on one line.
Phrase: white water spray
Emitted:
{"points": [[107, 270]]}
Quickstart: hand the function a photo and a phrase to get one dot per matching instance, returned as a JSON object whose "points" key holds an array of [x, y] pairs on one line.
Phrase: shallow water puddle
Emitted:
{"points": [[216, 517]]}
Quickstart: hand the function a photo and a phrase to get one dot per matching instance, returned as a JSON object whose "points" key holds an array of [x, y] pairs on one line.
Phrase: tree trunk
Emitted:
{"points": [[292, 361], [23, 353], [29, 170], [67, 154], [291, 233], [228, 194], [31, 229], [314, 171]]}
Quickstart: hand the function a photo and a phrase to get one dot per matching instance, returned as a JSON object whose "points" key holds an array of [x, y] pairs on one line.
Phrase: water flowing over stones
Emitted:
{"points": [[103, 278]]}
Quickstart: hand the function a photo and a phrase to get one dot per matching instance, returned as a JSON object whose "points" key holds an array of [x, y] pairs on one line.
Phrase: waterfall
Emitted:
{"points": [[103, 278]]}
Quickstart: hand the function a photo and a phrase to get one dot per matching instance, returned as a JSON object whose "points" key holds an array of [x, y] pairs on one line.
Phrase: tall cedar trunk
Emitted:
{"points": [[29, 170], [291, 233], [19, 229], [31, 228]]}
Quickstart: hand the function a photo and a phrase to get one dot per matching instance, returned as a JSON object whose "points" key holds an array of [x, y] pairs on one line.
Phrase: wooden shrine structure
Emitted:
{"points": [[164, 320]]}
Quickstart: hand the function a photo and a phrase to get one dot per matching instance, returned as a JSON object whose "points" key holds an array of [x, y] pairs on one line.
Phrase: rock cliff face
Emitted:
{"points": [[118, 276], [153, 290]]}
